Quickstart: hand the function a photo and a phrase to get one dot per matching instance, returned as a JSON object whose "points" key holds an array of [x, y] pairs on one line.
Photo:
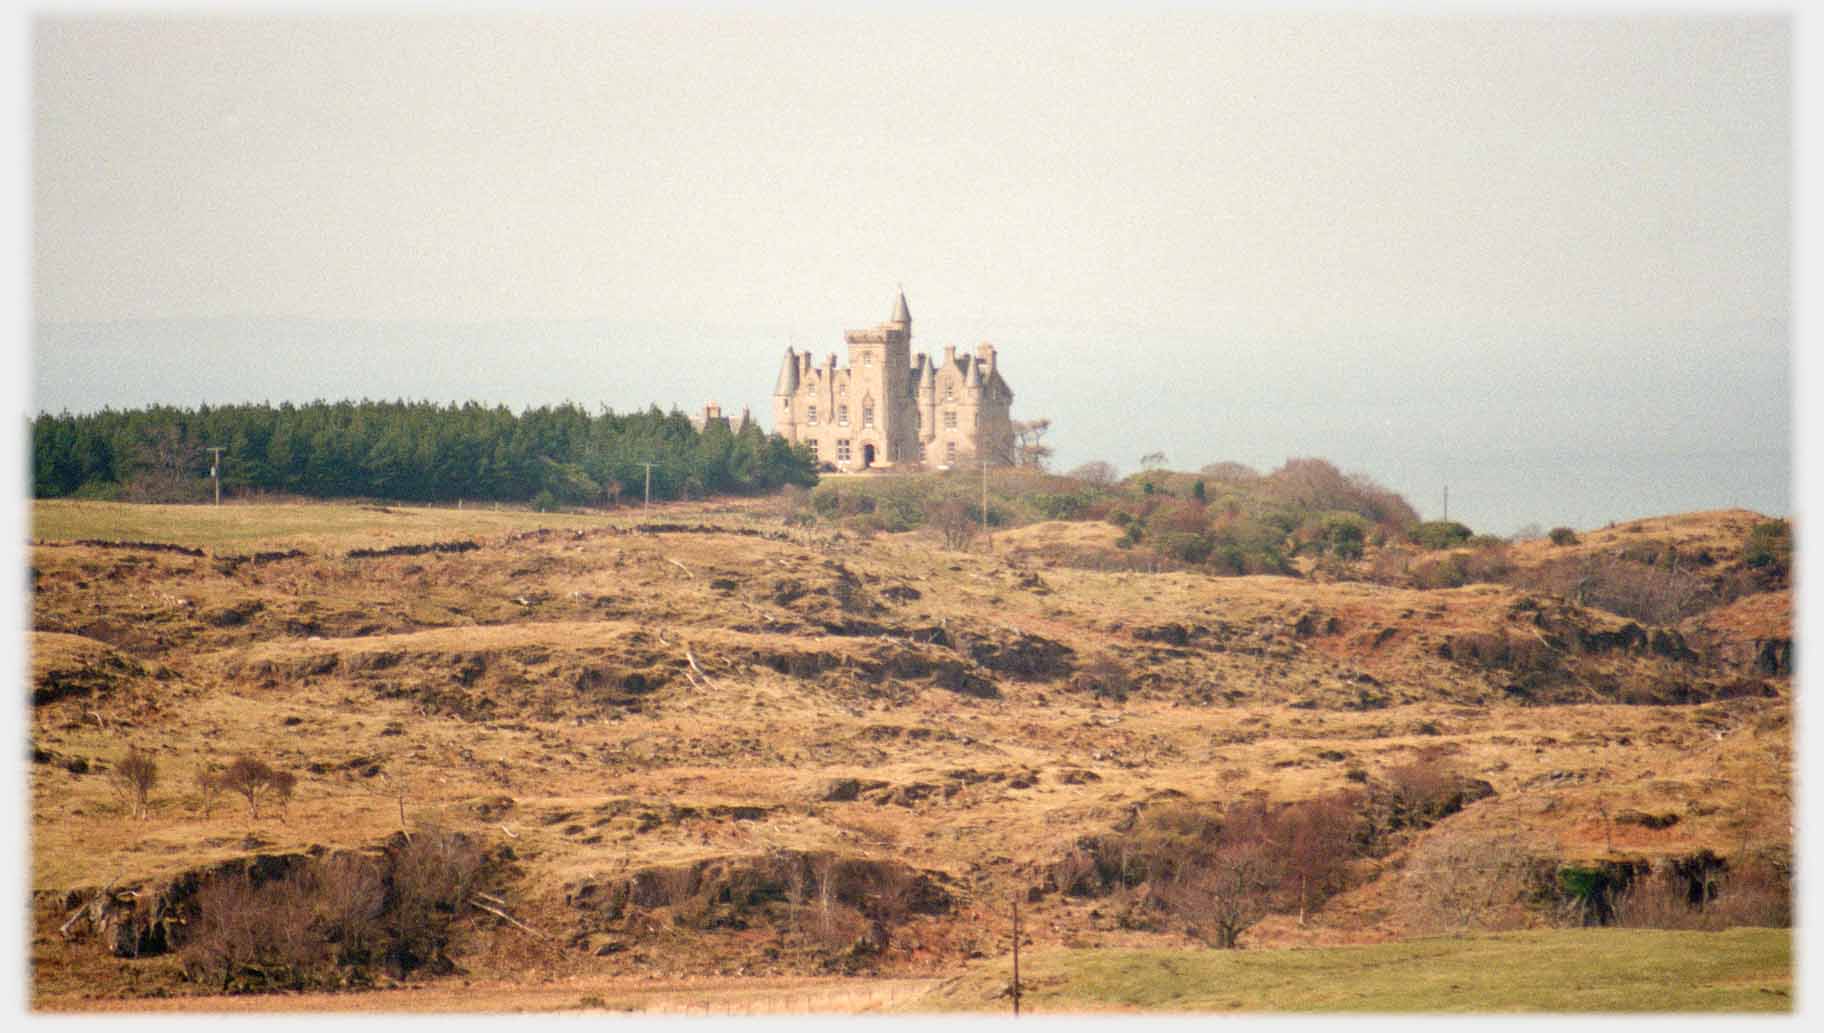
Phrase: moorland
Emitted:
{"points": [[810, 751]]}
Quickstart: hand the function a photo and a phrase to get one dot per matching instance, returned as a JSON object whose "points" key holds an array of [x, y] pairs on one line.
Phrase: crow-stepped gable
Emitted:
{"points": [[887, 409]]}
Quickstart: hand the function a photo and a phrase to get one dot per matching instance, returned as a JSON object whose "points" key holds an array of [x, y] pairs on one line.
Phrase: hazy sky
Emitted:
{"points": [[1543, 260]]}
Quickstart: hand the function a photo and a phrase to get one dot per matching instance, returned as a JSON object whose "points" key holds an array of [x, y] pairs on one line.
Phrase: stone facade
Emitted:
{"points": [[886, 409]]}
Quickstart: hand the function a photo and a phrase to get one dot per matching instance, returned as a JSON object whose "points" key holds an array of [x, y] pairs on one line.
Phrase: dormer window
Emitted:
{"points": [[867, 414], [949, 392], [842, 415]]}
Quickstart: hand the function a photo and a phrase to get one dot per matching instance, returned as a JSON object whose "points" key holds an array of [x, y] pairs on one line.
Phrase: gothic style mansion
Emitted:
{"points": [[885, 410]]}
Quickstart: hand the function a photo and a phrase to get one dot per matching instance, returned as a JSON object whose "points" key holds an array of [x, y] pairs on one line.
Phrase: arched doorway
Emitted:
{"points": [[867, 456]]}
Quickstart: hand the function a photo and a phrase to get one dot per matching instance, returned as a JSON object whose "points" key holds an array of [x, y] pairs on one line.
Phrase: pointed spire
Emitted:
{"points": [[788, 375], [972, 372], [901, 314]]}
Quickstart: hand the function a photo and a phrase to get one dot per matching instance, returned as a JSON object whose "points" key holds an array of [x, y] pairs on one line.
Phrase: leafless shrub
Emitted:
{"points": [[350, 895], [793, 505], [954, 521], [1454, 884], [1755, 893], [1105, 676], [1230, 473], [1420, 792], [434, 876], [133, 778], [264, 936], [890, 889], [797, 878], [1447, 571], [1074, 871], [1099, 473], [1316, 484], [1639, 591]]}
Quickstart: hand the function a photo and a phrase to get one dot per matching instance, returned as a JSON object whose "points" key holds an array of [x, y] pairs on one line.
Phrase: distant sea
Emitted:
{"points": [[1545, 428]]}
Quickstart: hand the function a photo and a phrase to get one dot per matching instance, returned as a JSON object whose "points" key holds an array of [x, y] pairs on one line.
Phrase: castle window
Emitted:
{"points": [[842, 415], [949, 392], [867, 358], [924, 452], [814, 451], [810, 414], [842, 450], [949, 451], [950, 419], [867, 415]]}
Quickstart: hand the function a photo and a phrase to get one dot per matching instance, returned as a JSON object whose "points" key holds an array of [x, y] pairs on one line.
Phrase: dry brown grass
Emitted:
{"points": [[605, 703]]}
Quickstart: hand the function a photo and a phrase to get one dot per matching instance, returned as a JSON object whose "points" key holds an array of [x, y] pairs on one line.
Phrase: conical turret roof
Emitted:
{"points": [[902, 314], [788, 375]]}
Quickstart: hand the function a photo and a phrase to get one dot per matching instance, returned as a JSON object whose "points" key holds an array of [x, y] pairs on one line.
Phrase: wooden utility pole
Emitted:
{"points": [[1016, 956], [215, 470], [648, 467], [985, 530]]}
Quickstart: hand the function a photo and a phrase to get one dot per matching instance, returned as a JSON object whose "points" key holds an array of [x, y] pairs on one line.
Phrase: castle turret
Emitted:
{"points": [[785, 413], [788, 375], [902, 316]]}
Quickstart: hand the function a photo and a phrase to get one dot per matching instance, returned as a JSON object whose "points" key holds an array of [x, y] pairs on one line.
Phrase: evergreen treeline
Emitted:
{"points": [[408, 451]]}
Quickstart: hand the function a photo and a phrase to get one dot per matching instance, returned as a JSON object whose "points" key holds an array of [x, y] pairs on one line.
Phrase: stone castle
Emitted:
{"points": [[885, 410]]}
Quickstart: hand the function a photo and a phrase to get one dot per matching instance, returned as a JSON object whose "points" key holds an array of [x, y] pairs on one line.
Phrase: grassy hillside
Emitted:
{"points": [[715, 741]]}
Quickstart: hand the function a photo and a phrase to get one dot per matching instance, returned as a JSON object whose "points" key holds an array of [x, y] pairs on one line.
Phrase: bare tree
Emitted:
{"points": [[1230, 472], [1029, 448], [1224, 890], [284, 783], [251, 778], [134, 778], [1152, 461], [208, 787], [1318, 837], [1099, 473]]}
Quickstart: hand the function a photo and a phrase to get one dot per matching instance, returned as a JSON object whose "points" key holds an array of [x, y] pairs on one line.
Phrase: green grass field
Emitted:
{"points": [[1577, 970]]}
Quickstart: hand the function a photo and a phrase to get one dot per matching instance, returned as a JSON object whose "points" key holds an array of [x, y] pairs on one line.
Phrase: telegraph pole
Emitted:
{"points": [[648, 504], [985, 529], [215, 469], [1016, 957]]}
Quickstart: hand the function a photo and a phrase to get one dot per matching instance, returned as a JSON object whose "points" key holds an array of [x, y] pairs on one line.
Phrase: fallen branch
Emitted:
{"points": [[90, 908], [509, 919], [697, 668], [678, 565], [510, 833]]}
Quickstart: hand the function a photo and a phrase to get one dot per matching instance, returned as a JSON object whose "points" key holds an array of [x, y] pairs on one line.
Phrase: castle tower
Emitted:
{"points": [[785, 416], [880, 372]]}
